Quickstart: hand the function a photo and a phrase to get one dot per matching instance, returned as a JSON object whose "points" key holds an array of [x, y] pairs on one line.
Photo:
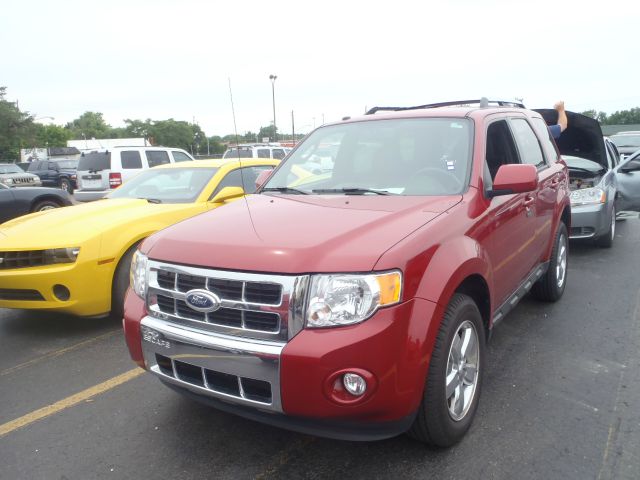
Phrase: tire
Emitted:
{"points": [[606, 240], [121, 283], [442, 422], [66, 185], [551, 285], [43, 205]]}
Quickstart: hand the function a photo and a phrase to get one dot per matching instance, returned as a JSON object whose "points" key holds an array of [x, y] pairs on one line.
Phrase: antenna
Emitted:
{"points": [[235, 129]]}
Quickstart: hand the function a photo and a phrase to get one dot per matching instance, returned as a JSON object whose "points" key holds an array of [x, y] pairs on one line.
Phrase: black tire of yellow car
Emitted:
{"points": [[45, 205], [547, 288], [433, 424], [121, 283]]}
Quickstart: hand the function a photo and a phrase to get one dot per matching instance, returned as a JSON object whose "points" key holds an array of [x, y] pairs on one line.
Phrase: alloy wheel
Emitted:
{"points": [[462, 370]]}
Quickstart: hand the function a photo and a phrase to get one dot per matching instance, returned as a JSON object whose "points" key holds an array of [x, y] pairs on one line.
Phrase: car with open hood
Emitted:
{"points": [[591, 159], [81, 265]]}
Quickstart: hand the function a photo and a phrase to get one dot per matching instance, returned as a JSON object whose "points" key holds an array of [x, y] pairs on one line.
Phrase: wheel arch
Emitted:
{"points": [[42, 198]]}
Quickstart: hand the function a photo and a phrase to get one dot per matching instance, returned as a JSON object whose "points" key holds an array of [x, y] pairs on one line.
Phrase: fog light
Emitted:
{"points": [[61, 292], [354, 384]]}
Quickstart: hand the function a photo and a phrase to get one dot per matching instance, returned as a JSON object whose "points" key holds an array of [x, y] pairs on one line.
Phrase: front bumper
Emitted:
{"points": [[589, 221], [286, 383], [88, 284]]}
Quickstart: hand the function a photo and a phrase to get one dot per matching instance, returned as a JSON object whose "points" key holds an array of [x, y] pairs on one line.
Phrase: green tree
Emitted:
{"points": [[600, 116], [89, 125], [17, 129], [52, 136], [269, 132], [625, 117]]}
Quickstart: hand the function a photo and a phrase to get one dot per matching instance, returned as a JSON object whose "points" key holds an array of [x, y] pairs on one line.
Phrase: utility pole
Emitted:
{"points": [[273, 98]]}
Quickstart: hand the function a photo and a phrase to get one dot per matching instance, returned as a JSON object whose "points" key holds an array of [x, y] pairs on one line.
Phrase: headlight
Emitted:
{"points": [[61, 255], [340, 299], [7, 181], [588, 196], [138, 274]]}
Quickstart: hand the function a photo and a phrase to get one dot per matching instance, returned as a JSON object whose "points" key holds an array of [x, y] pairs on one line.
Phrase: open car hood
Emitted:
{"points": [[582, 138]]}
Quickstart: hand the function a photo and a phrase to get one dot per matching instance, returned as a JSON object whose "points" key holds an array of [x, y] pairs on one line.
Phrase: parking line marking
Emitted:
{"points": [[57, 353], [69, 401]]}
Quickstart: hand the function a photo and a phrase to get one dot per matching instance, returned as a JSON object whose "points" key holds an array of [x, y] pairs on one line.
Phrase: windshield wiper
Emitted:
{"points": [[351, 191], [151, 200], [284, 190]]}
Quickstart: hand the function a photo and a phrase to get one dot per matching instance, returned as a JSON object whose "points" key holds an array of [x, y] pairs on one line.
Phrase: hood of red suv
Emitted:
{"points": [[296, 234]]}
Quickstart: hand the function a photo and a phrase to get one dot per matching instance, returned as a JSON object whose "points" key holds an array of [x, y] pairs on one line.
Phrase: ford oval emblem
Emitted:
{"points": [[202, 300]]}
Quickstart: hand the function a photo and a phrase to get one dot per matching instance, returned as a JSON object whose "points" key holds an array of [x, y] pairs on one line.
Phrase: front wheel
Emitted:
{"points": [[452, 389], [121, 283], [606, 240], [65, 184], [45, 205], [551, 285]]}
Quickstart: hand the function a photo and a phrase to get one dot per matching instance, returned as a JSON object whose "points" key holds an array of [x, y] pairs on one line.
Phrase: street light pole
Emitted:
{"points": [[273, 98]]}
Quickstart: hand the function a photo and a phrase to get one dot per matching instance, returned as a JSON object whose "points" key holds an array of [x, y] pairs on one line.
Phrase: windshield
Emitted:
{"points": [[166, 185], [95, 161], [417, 156], [10, 168], [626, 140], [67, 163]]}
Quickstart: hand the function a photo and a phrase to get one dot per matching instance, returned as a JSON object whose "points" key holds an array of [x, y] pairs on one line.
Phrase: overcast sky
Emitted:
{"points": [[163, 59]]}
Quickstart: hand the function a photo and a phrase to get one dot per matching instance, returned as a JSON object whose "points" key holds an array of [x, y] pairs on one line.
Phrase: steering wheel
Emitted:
{"points": [[443, 177]]}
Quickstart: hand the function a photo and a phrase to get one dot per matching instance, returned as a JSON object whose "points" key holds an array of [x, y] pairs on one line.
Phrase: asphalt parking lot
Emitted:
{"points": [[561, 399]]}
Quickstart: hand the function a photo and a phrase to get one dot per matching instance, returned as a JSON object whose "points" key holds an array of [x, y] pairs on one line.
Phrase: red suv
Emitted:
{"points": [[356, 303]]}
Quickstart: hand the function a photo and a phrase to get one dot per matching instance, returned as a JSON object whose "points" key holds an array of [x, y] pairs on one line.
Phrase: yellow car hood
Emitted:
{"points": [[70, 226]]}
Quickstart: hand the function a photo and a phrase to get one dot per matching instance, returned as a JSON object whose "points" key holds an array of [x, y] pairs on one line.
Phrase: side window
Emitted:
{"points": [[615, 156], [548, 145], [241, 177], [527, 142], [180, 157], [263, 153], [278, 153], [501, 149], [131, 160], [33, 166], [157, 157], [52, 166]]}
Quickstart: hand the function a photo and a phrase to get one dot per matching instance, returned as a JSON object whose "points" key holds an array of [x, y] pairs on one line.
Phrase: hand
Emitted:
{"points": [[559, 106]]}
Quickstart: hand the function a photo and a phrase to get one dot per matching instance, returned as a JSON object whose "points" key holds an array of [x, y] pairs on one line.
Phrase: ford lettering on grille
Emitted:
{"points": [[202, 300]]}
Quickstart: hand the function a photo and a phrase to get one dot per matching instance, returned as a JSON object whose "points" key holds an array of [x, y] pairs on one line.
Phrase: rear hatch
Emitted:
{"points": [[93, 171]]}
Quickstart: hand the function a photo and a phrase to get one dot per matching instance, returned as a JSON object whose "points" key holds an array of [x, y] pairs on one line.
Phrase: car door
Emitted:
{"points": [[628, 179], [510, 218], [39, 168]]}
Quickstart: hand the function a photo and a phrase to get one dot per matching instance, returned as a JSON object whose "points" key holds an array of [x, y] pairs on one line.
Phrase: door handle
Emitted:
{"points": [[529, 200]]}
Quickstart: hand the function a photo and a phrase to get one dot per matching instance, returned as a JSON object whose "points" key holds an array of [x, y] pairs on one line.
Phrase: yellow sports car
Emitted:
{"points": [[76, 259]]}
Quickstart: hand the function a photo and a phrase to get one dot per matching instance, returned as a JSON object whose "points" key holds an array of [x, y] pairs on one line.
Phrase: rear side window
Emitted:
{"points": [[263, 153], [545, 137], [33, 166], [130, 160], [278, 153], [527, 142], [95, 161], [180, 157], [157, 157]]}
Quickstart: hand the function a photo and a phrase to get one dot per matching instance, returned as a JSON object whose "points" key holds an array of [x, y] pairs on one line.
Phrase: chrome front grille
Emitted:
{"points": [[252, 305]]}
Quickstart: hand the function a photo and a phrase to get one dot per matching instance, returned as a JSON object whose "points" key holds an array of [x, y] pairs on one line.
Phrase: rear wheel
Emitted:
{"points": [[121, 283], [551, 286], [606, 240], [43, 205], [452, 389], [66, 185]]}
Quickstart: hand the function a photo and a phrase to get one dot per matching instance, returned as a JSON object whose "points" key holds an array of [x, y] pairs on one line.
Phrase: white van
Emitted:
{"points": [[257, 150], [100, 172]]}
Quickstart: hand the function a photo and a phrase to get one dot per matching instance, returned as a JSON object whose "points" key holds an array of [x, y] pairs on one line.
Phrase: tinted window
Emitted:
{"points": [[131, 159], [157, 157], [180, 157], [33, 166], [95, 161], [67, 163], [278, 153], [545, 137], [53, 166], [238, 153], [527, 142], [263, 153], [501, 149]]}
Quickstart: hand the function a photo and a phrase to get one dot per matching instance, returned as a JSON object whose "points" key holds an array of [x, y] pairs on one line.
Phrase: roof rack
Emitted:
{"points": [[484, 103]]}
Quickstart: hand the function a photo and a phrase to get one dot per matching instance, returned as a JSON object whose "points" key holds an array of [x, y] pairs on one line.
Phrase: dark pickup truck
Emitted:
{"points": [[59, 173]]}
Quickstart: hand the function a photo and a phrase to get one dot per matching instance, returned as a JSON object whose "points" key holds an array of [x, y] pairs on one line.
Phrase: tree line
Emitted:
{"points": [[620, 117], [19, 130]]}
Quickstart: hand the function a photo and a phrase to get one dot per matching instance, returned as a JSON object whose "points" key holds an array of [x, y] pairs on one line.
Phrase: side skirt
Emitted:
{"points": [[519, 293]]}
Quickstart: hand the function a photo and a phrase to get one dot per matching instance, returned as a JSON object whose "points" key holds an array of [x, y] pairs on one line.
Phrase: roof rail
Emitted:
{"points": [[484, 103]]}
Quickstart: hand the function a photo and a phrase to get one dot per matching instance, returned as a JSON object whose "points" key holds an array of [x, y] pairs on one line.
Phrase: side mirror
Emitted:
{"points": [[630, 166], [227, 193], [262, 177], [514, 178]]}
